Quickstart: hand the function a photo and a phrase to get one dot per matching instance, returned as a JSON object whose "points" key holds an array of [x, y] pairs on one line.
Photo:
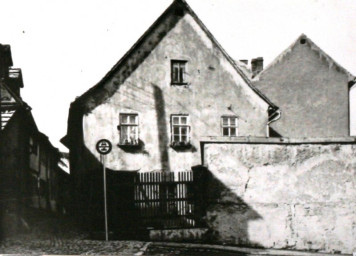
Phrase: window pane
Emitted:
{"points": [[124, 119], [176, 130], [175, 74], [132, 119], [183, 120], [184, 130], [181, 75], [176, 138], [124, 134], [132, 131], [233, 121], [175, 120], [225, 131], [185, 138], [225, 121], [232, 131]]}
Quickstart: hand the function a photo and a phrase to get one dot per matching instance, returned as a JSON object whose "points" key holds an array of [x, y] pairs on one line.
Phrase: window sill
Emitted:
{"points": [[178, 84]]}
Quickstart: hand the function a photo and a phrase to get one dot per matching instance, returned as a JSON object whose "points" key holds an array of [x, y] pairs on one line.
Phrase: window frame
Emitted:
{"points": [[182, 79], [229, 126], [180, 125], [128, 124]]}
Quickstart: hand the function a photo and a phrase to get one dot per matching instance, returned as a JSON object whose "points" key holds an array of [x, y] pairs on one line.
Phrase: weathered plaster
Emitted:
{"points": [[213, 86], [295, 196]]}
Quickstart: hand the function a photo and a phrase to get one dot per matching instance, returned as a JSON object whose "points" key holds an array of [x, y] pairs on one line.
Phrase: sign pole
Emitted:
{"points": [[105, 202], [104, 147]]}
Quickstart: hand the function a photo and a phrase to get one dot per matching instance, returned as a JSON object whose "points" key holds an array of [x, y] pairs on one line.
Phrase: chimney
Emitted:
{"points": [[256, 66], [5, 60]]}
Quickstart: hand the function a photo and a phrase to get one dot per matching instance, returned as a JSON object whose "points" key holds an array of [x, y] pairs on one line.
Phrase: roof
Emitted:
{"points": [[177, 7], [314, 47]]}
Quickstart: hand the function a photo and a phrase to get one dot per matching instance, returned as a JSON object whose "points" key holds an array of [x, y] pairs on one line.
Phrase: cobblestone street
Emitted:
{"points": [[21, 245]]}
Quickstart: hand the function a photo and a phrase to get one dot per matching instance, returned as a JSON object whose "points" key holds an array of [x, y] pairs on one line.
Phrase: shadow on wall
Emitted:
{"points": [[88, 204], [163, 139], [225, 214], [87, 180]]}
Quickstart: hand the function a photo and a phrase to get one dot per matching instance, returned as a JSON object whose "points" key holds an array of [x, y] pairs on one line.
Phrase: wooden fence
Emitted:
{"points": [[165, 199]]}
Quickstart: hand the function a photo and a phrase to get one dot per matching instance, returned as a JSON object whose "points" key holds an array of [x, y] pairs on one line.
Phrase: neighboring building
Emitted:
{"points": [[28, 161], [175, 85], [312, 91]]}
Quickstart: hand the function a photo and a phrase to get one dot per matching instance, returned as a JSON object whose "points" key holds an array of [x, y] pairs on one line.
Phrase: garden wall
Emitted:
{"points": [[282, 195]]}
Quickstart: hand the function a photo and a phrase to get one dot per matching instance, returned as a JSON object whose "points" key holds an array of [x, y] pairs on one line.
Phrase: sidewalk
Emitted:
{"points": [[228, 250]]}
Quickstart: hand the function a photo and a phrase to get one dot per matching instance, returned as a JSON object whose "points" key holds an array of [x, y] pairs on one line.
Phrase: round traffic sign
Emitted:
{"points": [[103, 147]]}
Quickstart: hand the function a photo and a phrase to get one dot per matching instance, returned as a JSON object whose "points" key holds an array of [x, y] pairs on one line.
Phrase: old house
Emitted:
{"points": [[175, 85], [311, 89], [178, 102], [28, 161]]}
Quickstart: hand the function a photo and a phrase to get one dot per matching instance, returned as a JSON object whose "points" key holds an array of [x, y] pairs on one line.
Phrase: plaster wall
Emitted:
{"points": [[283, 196], [214, 89], [311, 92]]}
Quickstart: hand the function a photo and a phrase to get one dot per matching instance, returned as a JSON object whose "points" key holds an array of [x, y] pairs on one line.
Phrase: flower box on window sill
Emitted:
{"points": [[181, 145], [130, 144]]}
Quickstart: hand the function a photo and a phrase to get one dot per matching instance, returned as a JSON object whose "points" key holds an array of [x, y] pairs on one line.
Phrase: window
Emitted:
{"points": [[129, 129], [180, 130], [178, 72], [33, 146], [229, 126]]}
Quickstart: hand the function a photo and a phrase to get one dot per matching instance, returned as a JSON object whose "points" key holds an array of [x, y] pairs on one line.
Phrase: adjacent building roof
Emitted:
{"points": [[314, 47]]}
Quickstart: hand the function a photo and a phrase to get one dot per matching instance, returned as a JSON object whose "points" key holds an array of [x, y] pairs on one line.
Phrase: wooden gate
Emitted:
{"points": [[165, 199]]}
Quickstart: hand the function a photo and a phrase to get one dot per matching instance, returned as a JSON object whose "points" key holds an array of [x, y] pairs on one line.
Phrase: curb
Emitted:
{"points": [[252, 251]]}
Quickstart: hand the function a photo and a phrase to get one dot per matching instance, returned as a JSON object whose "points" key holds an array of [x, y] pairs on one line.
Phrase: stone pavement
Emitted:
{"points": [[25, 245], [70, 247]]}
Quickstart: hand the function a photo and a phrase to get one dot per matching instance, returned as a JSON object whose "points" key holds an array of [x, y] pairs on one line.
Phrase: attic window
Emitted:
{"points": [[302, 41], [178, 72]]}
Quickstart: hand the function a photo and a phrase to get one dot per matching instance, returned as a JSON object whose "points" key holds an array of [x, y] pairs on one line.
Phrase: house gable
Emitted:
{"points": [[144, 46], [213, 89], [310, 88]]}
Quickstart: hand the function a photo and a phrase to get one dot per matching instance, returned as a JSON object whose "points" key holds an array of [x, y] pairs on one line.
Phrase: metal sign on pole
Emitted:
{"points": [[104, 147]]}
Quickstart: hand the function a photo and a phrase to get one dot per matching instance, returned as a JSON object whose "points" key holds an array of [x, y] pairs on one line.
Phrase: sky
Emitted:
{"points": [[64, 47]]}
